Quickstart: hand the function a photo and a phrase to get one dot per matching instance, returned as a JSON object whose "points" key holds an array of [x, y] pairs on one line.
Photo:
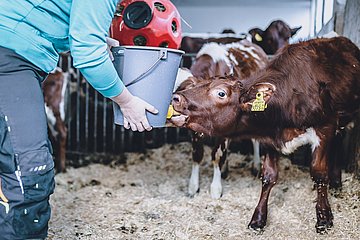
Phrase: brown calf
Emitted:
{"points": [[307, 94]]}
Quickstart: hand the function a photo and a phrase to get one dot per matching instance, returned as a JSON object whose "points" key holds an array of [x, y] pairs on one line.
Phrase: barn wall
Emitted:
{"points": [[242, 18]]}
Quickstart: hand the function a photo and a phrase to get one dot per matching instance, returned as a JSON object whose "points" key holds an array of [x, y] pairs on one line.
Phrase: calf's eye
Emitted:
{"points": [[221, 94]]}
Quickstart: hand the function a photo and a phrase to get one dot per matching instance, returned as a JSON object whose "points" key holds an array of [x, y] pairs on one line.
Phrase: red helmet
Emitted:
{"points": [[153, 23]]}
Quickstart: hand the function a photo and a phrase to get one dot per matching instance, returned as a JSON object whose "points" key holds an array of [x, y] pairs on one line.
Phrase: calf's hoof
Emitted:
{"points": [[323, 226], [324, 221], [192, 191], [257, 226]]}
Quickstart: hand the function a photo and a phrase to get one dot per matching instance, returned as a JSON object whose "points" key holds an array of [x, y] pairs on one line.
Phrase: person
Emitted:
{"points": [[33, 33]]}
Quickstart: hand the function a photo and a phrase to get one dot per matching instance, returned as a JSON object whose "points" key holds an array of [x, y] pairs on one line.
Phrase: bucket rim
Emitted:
{"points": [[148, 48]]}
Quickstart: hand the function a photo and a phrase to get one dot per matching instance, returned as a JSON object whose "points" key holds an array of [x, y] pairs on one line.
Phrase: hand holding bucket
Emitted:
{"points": [[133, 109], [131, 106]]}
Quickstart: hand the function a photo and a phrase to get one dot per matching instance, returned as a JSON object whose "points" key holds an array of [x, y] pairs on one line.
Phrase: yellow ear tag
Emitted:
{"points": [[258, 37], [259, 104], [170, 112]]}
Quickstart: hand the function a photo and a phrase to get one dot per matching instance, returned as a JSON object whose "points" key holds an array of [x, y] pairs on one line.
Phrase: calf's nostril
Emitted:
{"points": [[176, 98]]}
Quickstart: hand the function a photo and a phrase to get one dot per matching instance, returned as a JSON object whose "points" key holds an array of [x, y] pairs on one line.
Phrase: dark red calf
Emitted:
{"points": [[307, 94]]}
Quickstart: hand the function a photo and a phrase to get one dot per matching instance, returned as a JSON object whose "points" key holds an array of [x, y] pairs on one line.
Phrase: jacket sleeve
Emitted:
{"points": [[89, 25]]}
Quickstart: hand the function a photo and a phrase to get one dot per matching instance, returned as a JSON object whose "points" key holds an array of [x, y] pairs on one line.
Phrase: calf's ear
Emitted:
{"points": [[295, 30], [257, 34], [188, 83], [257, 98]]}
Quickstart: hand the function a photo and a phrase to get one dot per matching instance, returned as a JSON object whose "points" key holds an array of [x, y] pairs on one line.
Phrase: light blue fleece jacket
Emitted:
{"points": [[39, 30]]}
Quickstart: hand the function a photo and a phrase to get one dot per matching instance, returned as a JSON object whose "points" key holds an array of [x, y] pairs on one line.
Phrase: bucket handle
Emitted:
{"points": [[163, 55]]}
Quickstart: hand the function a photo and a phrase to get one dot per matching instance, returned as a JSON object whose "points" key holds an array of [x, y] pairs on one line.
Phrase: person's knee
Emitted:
{"points": [[28, 191], [37, 176]]}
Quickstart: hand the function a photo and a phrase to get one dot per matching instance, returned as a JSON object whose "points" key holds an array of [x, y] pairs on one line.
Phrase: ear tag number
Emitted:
{"points": [[259, 104]]}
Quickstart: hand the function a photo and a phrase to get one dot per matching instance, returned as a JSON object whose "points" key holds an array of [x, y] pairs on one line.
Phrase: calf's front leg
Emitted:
{"points": [[197, 156], [218, 155], [269, 177]]}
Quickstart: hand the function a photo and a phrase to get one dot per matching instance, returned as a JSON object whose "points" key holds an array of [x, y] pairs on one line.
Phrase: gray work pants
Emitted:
{"points": [[26, 163]]}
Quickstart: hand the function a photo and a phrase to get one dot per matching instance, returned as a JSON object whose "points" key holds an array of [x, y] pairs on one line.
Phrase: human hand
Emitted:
{"points": [[111, 43], [134, 109]]}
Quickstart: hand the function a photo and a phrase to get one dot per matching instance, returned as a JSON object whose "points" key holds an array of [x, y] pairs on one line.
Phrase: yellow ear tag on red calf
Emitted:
{"points": [[170, 112], [258, 37], [259, 104]]}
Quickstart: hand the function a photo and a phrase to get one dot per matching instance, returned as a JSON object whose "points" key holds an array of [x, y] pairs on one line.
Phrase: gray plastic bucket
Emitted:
{"points": [[149, 73]]}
